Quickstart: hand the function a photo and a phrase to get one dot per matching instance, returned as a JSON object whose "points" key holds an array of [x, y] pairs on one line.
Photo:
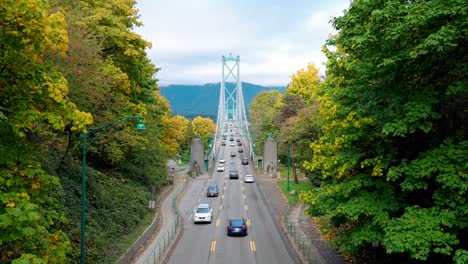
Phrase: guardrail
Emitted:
{"points": [[303, 245], [164, 243]]}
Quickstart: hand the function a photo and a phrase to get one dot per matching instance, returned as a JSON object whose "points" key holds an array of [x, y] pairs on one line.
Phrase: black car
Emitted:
{"points": [[231, 139], [237, 226], [240, 150], [239, 143], [245, 161], [238, 140], [212, 191], [223, 143], [233, 154], [233, 174]]}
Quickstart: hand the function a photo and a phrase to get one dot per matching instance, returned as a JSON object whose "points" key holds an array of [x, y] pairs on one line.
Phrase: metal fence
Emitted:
{"points": [[164, 242], [303, 245]]}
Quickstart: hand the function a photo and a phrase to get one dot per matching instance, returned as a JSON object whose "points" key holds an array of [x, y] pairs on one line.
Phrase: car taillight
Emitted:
{"points": [[229, 228], [244, 227]]}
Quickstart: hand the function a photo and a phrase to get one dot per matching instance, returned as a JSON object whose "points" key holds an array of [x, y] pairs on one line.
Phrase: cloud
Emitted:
{"points": [[273, 41]]}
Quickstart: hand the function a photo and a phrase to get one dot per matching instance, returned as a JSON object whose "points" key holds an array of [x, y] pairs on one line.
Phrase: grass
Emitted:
{"points": [[303, 185], [125, 242]]}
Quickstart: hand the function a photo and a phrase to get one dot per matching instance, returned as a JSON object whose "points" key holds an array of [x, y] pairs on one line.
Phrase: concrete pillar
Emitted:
{"points": [[270, 157], [197, 157]]}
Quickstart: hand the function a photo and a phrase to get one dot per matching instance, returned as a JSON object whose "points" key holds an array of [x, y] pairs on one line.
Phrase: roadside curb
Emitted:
{"points": [[290, 247], [180, 230]]}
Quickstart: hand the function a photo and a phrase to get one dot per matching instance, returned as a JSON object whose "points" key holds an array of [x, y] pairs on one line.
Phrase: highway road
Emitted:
{"points": [[209, 243]]}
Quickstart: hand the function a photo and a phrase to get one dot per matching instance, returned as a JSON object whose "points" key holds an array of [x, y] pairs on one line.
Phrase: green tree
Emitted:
{"points": [[296, 134], [394, 136], [175, 133], [31, 216], [299, 118], [205, 128], [305, 83], [264, 113], [34, 92], [34, 105]]}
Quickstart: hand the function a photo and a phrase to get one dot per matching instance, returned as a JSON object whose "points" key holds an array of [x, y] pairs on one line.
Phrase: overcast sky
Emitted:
{"points": [[273, 38]]}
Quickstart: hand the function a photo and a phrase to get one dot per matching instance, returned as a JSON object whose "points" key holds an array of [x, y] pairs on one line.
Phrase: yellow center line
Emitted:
{"points": [[245, 197], [220, 207], [213, 246], [242, 187], [222, 196], [218, 221], [248, 222], [252, 246], [246, 207]]}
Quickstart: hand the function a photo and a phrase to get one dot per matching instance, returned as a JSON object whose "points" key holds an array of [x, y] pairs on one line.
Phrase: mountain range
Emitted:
{"points": [[202, 100]]}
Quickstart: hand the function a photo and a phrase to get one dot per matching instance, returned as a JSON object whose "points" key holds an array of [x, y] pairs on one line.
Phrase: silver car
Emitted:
{"points": [[202, 214], [249, 178]]}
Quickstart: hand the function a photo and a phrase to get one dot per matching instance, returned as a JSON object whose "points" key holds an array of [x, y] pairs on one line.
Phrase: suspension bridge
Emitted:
{"points": [[232, 122], [225, 193]]}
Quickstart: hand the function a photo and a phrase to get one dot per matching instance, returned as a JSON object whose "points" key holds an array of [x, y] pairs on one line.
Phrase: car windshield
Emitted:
{"points": [[203, 210], [212, 189], [237, 222]]}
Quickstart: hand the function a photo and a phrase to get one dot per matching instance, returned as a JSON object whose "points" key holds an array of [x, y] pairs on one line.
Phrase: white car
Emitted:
{"points": [[220, 167], [232, 144], [221, 160], [249, 178], [202, 213]]}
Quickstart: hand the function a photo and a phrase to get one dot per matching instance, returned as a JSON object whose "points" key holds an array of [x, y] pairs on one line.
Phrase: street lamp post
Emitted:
{"points": [[288, 163], [140, 126]]}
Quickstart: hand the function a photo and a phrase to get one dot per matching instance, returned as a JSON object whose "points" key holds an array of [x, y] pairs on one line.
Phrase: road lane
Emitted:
{"points": [[209, 243]]}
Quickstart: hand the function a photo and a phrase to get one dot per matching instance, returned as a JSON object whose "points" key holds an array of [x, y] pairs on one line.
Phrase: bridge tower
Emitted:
{"points": [[230, 73], [228, 106], [231, 107]]}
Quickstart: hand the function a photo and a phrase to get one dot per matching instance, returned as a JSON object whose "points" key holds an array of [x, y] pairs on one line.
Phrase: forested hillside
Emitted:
{"points": [[66, 66], [192, 100], [383, 138]]}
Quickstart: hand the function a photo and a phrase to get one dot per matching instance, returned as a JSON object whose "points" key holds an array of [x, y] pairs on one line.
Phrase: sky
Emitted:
{"points": [[274, 39]]}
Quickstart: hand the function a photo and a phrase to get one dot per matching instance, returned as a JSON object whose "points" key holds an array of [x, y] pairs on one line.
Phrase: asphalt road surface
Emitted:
{"points": [[209, 243]]}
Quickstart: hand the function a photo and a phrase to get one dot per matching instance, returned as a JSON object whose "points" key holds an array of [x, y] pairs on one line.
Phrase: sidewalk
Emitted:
{"points": [[304, 226], [168, 225]]}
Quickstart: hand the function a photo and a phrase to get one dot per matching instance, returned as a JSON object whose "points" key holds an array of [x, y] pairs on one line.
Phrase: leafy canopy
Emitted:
{"points": [[393, 147]]}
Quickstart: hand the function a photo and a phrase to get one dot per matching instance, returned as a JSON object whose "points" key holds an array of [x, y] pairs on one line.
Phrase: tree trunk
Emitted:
{"points": [[293, 161]]}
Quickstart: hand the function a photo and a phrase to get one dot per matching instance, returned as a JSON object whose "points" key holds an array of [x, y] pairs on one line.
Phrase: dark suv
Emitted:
{"points": [[212, 191], [245, 161], [233, 174]]}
